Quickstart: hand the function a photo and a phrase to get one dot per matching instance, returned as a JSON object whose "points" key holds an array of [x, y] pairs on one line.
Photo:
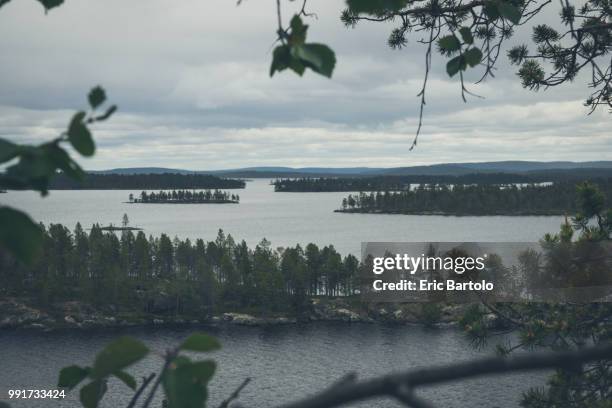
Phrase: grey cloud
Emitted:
{"points": [[191, 81]]}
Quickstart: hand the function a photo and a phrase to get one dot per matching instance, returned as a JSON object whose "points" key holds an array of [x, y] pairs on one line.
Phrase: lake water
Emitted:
{"points": [[284, 362], [283, 218]]}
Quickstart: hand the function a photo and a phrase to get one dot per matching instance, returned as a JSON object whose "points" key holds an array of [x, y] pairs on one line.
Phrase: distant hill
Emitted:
{"points": [[496, 167], [514, 166], [144, 170], [303, 170], [454, 169]]}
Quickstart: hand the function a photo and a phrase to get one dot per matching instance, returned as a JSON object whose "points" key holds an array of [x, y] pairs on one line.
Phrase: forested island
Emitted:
{"points": [[554, 199], [165, 181], [146, 275], [388, 183], [403, 182], [123, 227], [186, 197]]}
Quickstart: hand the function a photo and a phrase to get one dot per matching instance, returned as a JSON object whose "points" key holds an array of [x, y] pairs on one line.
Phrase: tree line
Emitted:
{"points": [[185, 197], [554, 199], [164, 181], [403, 182], [168, 276]]}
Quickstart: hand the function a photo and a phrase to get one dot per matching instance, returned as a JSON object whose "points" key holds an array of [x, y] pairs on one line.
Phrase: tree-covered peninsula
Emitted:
{"points": [[186, 197], [386, 183], [164, 181], [554, 199], [403, 182], [137, 274]]}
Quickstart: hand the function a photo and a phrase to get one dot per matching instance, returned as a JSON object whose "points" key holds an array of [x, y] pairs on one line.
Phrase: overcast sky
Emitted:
{"points": [[191, 81]]}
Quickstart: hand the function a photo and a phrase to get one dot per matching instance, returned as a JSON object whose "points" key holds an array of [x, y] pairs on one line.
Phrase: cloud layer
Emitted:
{"points": [[191, 79]]}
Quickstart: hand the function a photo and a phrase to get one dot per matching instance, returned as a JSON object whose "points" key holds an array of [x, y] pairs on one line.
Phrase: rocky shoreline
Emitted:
{"points": [[20, 314]]}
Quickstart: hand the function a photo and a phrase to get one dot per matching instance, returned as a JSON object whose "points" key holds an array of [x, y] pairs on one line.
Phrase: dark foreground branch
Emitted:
{"points": [[235, 394], [145, 383], [402, 384]]}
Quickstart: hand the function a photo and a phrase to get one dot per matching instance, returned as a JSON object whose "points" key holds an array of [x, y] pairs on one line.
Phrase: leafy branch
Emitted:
{"points": [[29, 167], [471, 35], [453, 26], [295, 53], [47, 4], [185, 382]]}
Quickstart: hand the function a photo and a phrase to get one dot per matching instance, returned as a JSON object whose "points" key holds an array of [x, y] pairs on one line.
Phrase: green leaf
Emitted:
{"points": [[118, 355], [473, 56], [449, 43], [35, 163], [375, 6], [64, 162], [8, 150], [203, 371], [455, 65], [185, 383], [281, 58], [71, 376], [49, 4], [19, 234], [96, 97], [509, 11], [107, 114], [200, 342], [126, 379], [466, 34], [297, 66], [32, 171], [318, 57], [92, 393], [79, 135], [298, 31]]}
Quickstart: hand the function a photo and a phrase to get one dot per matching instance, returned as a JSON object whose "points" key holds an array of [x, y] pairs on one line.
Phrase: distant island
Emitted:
{"points": [[125, 222], [391, 183], [316, 184], [185, 197], [164, 181], [116, 228], [555, 199]]}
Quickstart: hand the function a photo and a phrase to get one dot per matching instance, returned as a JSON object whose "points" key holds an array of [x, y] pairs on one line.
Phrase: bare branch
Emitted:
{"points": [[235, 394], [424, 88], [169, 357], [388, 385], [406, 395], [145, 383]]}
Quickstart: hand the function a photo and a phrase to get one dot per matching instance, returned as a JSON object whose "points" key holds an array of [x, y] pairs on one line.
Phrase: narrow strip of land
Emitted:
{"points": [[511, 200], [185, 197]]}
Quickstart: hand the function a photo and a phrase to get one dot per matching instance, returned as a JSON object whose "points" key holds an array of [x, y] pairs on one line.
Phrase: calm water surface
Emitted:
{"points": [[285, 363], [283, 218]]}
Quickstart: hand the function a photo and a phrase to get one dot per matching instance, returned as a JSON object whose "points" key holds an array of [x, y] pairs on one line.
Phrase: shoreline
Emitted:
{"points": [[16, 314], [182, 202], [447, 214]]}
